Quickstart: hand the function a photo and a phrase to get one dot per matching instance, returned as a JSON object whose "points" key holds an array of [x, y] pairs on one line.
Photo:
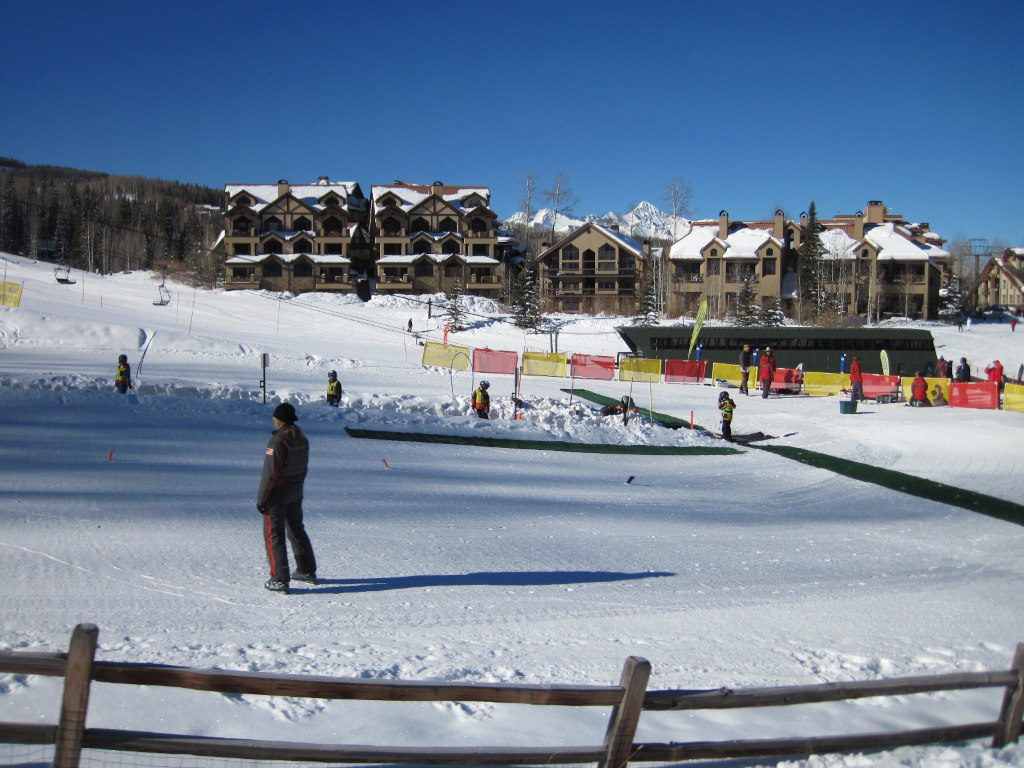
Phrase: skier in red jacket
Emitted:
{"points": [[856, 379]]}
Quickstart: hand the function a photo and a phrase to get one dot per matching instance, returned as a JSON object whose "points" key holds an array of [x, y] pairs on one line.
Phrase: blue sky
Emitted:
{"points": [[759, 105]]}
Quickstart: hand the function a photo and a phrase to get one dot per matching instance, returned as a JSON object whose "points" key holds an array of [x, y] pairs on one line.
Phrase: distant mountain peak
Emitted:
{"points": [[645, 220]]}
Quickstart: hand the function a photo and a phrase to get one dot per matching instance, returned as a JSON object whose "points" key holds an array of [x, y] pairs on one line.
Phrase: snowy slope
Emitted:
{"points": [[461, 563]]}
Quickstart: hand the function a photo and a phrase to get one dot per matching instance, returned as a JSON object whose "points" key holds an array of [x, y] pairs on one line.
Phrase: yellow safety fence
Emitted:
{"points": [[816, 383], [1013, 397], [446, 356], [907, 381], [545, 364], [640, 369], [11, 294], [732, 374]]}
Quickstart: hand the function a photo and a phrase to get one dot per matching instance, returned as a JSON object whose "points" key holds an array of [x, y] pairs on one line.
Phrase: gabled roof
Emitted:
{"points": [[287, 258], [893, 243], [742, 243], [624, 241], [412, 195], [309, 194], [437, 258]]}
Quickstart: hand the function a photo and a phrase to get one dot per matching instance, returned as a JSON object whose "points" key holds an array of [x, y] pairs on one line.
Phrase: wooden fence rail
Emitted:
{"points": [[627, 700]]}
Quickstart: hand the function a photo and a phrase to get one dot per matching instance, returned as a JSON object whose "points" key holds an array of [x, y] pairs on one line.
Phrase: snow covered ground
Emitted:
{"points": [[462, 563]]}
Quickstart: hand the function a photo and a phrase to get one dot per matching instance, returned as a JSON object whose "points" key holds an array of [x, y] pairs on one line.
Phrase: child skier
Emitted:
{"points": [[726, 406], [123, 376], [333, 389]]}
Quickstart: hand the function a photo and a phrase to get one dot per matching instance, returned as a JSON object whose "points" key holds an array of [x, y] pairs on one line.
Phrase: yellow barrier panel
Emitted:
{"points": [[446, 356], [640, 369], [545, 364], [825, 383], [732, 374], [943, 384], [11, 294], [1013, 397]]}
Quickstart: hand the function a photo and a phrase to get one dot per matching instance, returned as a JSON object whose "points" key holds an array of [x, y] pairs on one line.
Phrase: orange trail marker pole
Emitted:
{"points": [[386, 465], [691, 420], [110, 456]]}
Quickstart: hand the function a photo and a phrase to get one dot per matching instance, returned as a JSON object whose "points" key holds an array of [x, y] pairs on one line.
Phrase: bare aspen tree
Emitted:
{"points": [[529, 190], [679, 196], [561, 199]]}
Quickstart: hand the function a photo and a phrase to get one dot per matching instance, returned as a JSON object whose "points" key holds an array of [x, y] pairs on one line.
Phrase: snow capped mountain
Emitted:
{"points": [[645, 220]]}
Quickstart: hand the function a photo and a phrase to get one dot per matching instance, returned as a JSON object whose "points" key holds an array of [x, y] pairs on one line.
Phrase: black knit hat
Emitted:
{"points": [[286, 412]]}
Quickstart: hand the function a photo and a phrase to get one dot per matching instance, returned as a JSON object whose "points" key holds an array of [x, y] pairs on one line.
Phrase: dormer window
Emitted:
{"points": [[302, 223], [243, 200]]}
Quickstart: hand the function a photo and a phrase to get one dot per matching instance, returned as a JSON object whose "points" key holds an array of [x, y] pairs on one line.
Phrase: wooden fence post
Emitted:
{"points": [[77, 677], [618, 740], [1008, 728]]}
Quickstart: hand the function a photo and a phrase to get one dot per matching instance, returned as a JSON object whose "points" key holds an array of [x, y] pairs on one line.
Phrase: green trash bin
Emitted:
{"points": [[847, 406]]}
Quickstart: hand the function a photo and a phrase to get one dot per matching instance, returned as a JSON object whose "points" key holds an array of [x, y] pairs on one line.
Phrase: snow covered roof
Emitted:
{"points": [[627, 242], [744, 243], [838, 244], [411, 195], [288, 258], [437, 258], [310, 194], [740, 244], [893, 244]]}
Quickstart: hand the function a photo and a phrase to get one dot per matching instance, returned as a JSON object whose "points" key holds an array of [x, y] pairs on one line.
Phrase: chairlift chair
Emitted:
{"points": [[165, 296], [62, 273]]}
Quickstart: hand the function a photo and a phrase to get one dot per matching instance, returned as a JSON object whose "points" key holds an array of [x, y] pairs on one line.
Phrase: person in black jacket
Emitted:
{"points": [[744, 368], [279, 500]]}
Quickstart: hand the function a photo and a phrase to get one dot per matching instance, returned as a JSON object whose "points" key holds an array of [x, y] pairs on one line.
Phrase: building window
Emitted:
{"points": [[272, 246], [453, 270], [392, 249], [303, 269], [273, 225], [450, 246], [424, 269], [302, 223], [481, 249], [571, 305], [768, 266], [241, 249], [302, 245], [714, 266], [769, 252], [713, 253], [420, 225], [570, 257], [447, 225], [334, 249], [478, 226], [391, 226], [243, 200], [272, 269], [606, 258], [421, 246], [608, 285]]}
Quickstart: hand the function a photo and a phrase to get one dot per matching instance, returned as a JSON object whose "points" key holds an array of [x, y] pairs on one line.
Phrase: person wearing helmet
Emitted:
{"points": [[333, 389], [482, 400], [123, 375], [726, 406]]}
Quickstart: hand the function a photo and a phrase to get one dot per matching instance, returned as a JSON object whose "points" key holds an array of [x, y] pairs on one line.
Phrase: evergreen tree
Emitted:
{"points": [[772, 316], [453, 314], [525, 300], [748, 311], [951, 299], [809, 279], [645, 308]]}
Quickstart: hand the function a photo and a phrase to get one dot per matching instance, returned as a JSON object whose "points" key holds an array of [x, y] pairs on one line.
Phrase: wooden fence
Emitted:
{"points": [[628, 700]]}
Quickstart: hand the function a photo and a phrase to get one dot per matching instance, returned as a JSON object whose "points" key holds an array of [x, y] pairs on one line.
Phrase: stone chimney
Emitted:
{"points": [[858, 226], [723, 224], [323, 181], [779, 230], [283, 187], [876, 212]]}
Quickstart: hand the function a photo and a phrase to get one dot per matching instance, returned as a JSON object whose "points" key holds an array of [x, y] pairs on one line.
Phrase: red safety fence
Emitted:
{"points": [[592, 367], [982, 394], [789, 379], [875, 384], [687, 371], [495, 361]]}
